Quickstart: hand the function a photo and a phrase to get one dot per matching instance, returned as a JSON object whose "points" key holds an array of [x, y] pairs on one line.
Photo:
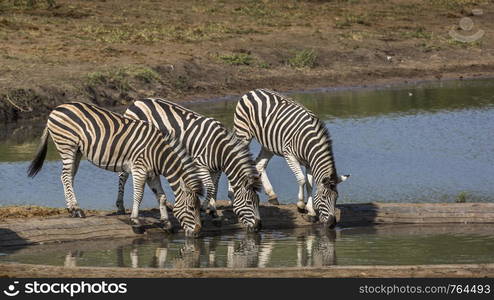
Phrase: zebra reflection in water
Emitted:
{"points": [[254, 250], [316, 251]]}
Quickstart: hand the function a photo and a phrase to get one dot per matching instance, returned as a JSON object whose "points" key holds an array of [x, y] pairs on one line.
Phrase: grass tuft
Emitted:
{"points": [[461, 197], [120, 78], [236, 59], [303, 59]]}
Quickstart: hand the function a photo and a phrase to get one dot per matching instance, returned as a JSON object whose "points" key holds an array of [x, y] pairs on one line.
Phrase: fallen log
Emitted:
{"points": [[98, 225]]}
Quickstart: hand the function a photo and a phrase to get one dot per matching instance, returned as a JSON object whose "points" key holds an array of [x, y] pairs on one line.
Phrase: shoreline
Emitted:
{"points": [[300, 88], [355, 271]]}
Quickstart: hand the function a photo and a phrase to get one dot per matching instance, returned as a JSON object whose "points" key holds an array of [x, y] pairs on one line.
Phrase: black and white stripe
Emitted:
{"points": [[285, 128], [213, 147], [118, 144]]}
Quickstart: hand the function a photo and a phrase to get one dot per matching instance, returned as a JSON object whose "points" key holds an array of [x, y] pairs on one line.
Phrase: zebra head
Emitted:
{"points": [[246, 204], [325, 199], [187, 209]]}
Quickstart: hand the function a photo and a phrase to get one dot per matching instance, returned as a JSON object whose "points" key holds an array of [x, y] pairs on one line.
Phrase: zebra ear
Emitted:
{"points": [[343, 178]]}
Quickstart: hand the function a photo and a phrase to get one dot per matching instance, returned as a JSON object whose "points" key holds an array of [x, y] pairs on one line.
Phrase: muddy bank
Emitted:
{"points": [[85, 51], [430, 271], [36, 103]]}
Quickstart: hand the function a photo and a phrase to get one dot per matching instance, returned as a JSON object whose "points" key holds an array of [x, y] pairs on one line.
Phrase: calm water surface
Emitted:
{"points": [[381, 245], [419, 143]]}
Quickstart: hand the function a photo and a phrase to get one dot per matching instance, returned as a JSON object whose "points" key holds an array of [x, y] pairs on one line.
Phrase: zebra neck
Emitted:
{"points": [[323, 166], [319, 153], [238, 167]]}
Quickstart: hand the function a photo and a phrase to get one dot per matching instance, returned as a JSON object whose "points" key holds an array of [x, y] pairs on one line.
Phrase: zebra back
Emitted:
{"points": [[207, 140], [285, 126], [115, 143]]}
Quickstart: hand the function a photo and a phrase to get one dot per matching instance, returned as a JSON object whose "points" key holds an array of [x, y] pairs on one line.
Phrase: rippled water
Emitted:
{"points": [[381, 245], [430, 142]]}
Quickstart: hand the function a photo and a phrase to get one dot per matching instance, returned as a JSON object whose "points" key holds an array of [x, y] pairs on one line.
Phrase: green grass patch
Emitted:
{"points": [[461, 197], [303, 59], [236, 59], [120, 78], [419, 33]]}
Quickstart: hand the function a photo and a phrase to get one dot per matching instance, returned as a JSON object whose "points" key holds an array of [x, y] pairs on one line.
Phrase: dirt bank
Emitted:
{"points": [[111, 52], [419, 271]]}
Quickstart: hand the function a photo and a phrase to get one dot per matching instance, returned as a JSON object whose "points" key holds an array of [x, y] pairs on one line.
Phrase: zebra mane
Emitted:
{"points": [[194, 178], [249, 175], [289, 100]]}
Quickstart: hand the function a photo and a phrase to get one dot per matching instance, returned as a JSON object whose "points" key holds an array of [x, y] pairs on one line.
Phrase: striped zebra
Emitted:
{"points": [[115, 143], [212, 147], [285, 128]]}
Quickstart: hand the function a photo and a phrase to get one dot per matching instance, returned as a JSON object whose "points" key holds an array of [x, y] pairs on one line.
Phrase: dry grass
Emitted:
{"points": [[209, 47], [13, 212]]}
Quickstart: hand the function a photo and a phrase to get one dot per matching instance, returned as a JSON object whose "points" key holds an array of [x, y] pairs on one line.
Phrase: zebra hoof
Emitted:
{"points": [[76, 213], [80, 214], [138, 229], [273, 201]]}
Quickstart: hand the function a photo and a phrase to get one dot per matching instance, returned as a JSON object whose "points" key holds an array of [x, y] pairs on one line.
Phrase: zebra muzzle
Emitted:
{"points": [[330, 223], [256, 227]]}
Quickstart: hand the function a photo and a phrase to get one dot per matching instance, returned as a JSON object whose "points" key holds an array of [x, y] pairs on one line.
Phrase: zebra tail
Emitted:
{"points": [[38, 160]]}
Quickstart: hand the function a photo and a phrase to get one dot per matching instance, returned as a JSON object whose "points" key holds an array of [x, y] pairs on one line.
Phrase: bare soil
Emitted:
{"points": [[31, 211], [110, 52], [418, 271]]}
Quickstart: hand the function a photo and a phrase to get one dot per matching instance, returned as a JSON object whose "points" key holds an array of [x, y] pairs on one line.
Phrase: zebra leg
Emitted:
{"points": [[299, 174], [70, 164], [262, 161], [122, 179], [139, 178], [215, 178], [309, 183], [211, 185], [231, 194], [155, 185]]}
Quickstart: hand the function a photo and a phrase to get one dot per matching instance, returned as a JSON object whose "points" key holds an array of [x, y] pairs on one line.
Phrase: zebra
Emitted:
{"points": [[286, 128], [212, 147], [115, 143]]}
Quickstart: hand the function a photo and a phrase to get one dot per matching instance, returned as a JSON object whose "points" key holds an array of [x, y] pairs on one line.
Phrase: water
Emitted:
{"points": [[304, 247], [429, 142]]}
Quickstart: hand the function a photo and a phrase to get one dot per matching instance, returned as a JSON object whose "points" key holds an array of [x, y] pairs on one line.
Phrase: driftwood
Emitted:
{"points": [[19, 232]]}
